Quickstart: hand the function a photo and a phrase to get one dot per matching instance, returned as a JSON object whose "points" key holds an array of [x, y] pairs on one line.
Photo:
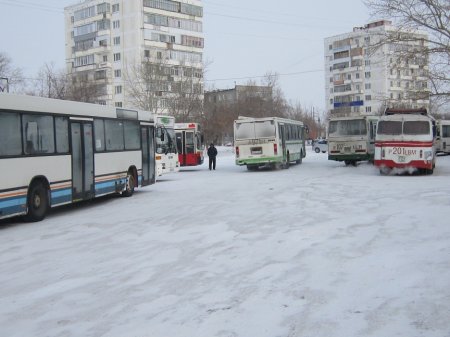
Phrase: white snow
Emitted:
{"points": [[318, 250]]}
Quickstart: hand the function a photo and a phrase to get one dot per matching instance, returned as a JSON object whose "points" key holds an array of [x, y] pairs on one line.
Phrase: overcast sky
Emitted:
{"points": [[243, 39]]}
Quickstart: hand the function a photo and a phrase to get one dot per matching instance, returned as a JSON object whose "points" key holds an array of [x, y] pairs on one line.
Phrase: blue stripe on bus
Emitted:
{"points": [[61, 196], [108, 186], [13, 205]]}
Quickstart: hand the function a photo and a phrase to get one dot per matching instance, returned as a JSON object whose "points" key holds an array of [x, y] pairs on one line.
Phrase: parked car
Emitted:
{"points": [[320, 145]]}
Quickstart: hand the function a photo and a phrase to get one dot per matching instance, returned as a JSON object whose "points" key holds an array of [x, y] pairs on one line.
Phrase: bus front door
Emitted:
{"points": [[148, 155], [186, 148], [82, 160]]}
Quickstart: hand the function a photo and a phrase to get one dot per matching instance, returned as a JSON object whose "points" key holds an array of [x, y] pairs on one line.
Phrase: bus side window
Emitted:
{"points": [[10, 136], [38, 134], [31, 137]]}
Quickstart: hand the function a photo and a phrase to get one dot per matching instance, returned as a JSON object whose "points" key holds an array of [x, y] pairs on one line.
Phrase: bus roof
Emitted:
{"points": [[394, 111], [244, 119], [406, 117], [354, 117], [37, 104]]}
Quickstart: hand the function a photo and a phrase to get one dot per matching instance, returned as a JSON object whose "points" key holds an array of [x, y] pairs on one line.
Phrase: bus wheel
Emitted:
{"points": [[385, 170], [37, 202], [129, 188], [252, 167], [288, 161], [316, 150], [299, 161]]}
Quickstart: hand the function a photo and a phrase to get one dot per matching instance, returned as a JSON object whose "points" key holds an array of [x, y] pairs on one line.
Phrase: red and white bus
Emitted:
{"points": [[189, 143], [405, 140]]}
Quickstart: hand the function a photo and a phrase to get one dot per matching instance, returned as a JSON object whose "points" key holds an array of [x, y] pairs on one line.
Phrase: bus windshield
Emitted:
{"points": [[355, 127], [389, 128], [167, 145], [257, 129], [445, 131], [416, 128], [396, 128]]}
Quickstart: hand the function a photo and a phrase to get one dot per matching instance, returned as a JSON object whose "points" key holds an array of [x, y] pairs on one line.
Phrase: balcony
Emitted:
{"points": [[103, 65]]}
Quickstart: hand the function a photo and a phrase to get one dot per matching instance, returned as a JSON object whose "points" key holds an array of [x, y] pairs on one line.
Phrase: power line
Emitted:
{"points": [[30, 5], [263, 21], [263, 76], [271, 13]]}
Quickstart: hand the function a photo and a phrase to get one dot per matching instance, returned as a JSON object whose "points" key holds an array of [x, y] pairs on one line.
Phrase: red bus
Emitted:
{"points": [[190, 144], [405, 140]]}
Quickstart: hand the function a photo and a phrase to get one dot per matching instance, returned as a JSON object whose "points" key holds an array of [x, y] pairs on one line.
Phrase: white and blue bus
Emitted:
{"points": [[166, 145], [57, 152], [269, 141]]}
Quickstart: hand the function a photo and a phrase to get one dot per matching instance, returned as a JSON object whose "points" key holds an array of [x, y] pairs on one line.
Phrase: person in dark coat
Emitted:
{"points": [[212, 154]]}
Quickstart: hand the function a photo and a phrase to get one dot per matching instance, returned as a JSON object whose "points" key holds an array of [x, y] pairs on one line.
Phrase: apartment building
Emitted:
{"points": [[365, 76], [138, 53], [239, 92]]}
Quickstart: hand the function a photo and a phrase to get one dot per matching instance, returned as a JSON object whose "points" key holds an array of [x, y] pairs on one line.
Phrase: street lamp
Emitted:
{"points": [[4, 87]]}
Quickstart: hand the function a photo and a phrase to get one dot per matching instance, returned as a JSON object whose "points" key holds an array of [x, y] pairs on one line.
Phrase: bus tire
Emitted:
{"points": [[385, 170], [317, 150], [252, 167], [37, 202], [299, 161], [129, 186], [288, 162]]}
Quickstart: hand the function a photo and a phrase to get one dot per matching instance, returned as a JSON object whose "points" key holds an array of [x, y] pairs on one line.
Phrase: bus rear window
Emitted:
{"points": [[416, 128], [355, 127], [264, 129], [389, 128], [258, 129]]}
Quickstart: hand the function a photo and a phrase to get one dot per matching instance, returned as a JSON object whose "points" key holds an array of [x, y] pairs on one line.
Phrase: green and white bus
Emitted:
{"points": [[269, 141], [352, 138], [57, 152]]}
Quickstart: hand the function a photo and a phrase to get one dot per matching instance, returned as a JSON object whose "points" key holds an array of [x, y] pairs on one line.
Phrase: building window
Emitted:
{"points": [[117, 57], [368, 109], [117, 40], [118, 104], [368, 97], [105, 58], [357, 75], [118, 89], [367, 86], [367, 74], [115, 8], [146, 53], [116, 24], [367, 62], [117, 73], [349, 76]]}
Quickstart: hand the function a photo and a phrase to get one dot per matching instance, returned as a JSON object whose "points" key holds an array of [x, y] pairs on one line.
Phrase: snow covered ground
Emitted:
{"points": [[318, 250]]}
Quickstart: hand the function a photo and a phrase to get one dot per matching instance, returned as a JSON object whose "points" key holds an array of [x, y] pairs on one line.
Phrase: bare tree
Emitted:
{"points": [[82, 88], [431, 17], [12, 75], [50, 83], [145, 83], [157, 86]]}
